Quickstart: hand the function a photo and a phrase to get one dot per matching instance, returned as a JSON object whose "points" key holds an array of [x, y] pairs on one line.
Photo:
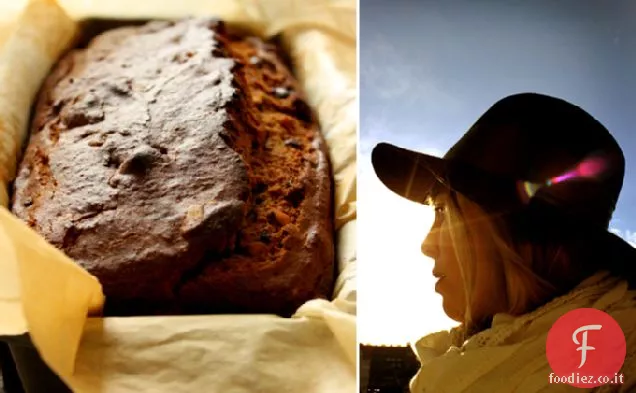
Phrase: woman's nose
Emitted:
{"points": [[429, 245]]}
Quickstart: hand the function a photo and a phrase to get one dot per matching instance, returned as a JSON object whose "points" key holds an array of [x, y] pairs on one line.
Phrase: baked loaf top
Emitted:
{"points": [[180, 165]]}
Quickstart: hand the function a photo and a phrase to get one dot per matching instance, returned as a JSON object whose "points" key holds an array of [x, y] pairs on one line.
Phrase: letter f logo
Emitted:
{"points": [[584, 347], [598, 353]]}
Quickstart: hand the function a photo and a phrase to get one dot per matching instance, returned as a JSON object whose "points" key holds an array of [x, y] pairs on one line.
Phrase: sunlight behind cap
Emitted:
{"points": [[398, 302]]}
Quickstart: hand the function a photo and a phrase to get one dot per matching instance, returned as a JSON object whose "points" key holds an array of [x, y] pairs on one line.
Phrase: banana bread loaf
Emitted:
{"points": [[179, 164]]}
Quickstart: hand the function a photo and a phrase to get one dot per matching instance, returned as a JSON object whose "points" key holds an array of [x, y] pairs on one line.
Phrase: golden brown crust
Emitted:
{"points": [[181, 166]]}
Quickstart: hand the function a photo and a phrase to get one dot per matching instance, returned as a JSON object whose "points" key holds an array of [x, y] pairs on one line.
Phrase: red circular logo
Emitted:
{"points": [[586, 348]]}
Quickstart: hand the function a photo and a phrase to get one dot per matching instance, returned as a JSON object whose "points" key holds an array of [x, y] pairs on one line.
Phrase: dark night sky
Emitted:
{"points": [[430, 68]]}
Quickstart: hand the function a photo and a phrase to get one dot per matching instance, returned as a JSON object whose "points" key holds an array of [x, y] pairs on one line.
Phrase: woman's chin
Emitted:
{"points": [[452, 311]]}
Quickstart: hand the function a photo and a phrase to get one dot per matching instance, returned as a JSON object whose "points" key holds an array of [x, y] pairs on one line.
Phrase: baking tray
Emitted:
{"points": [[34, 375]]}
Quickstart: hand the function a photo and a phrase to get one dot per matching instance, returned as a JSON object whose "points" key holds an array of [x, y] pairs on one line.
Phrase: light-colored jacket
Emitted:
{"points": [[511, 355]]}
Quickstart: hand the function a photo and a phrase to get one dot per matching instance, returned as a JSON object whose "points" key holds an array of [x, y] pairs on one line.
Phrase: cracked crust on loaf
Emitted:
{"points": [[180, 165]]}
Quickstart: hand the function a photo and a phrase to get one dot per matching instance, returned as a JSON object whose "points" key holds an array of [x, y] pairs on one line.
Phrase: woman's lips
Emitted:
{"points": [[440, 277]]}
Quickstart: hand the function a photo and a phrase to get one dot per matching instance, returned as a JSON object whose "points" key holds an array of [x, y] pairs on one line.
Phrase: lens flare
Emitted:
{"points": [[589, 168]]}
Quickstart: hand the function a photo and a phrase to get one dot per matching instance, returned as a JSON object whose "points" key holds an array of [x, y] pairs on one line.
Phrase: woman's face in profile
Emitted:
{"points": [[439, 246]]}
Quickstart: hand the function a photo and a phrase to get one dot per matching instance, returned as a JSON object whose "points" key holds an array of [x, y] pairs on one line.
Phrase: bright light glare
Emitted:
{"points": [[397, 303]]}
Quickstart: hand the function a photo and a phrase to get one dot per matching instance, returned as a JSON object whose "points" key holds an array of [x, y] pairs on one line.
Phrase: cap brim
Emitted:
{"points": [[417, 176], [409, 174]]}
